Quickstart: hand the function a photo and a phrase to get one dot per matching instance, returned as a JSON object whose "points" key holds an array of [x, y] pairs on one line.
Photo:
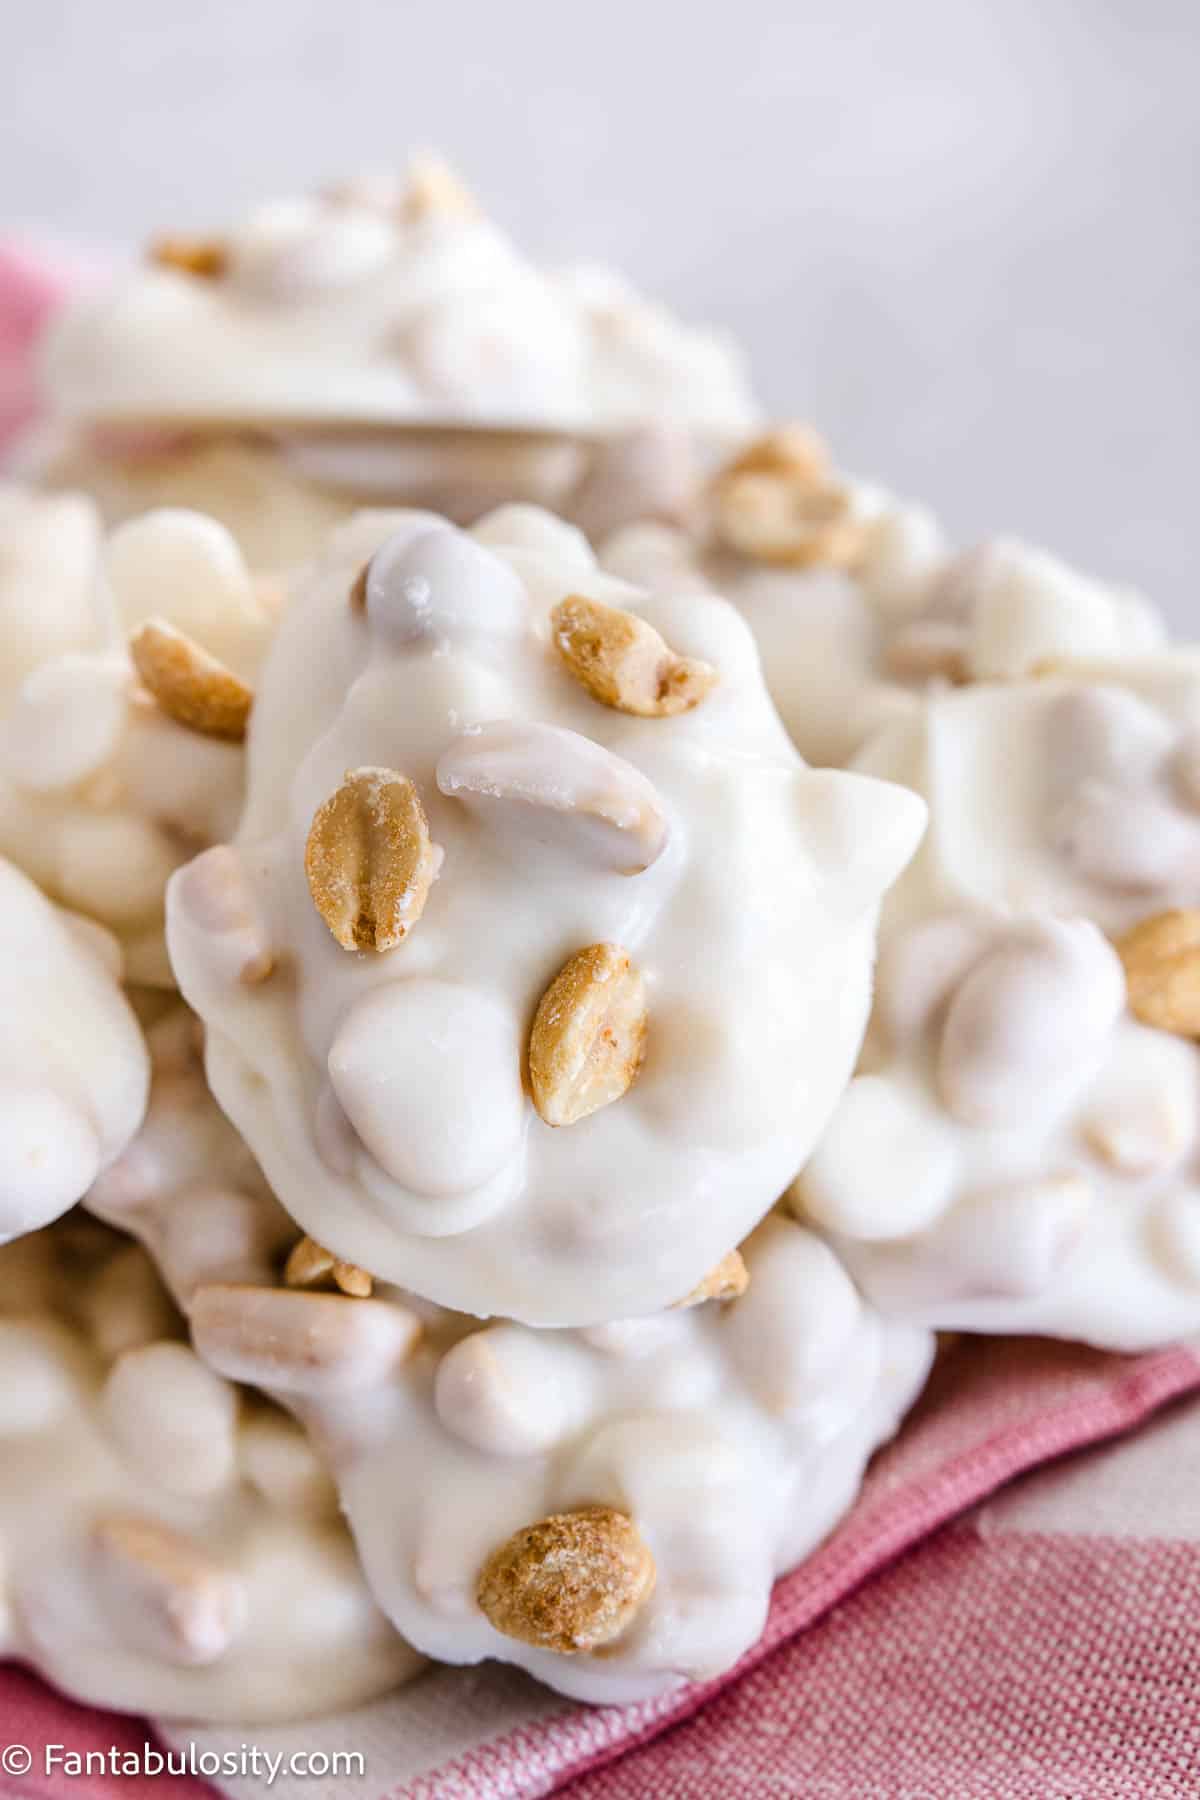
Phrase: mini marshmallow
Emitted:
{"points": [[462, 791], [103, 792], [604, 1508], [73, 1067], [142, 1570], [1019, 1150], [52, 544], [174, 1421]]}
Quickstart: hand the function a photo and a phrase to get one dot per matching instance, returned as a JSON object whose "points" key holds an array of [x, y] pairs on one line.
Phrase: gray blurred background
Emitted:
{"points": [[964, 238]]}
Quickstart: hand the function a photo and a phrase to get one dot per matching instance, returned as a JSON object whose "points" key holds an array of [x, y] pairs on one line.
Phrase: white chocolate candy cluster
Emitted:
{"points": [[1076, 793], [1019, 1152], [688, 1457], [858, 605], [394, 305], [73, 1067], [531, 972], [168, 1545], [539, 959], [379, 344], [605, 1507], [104, 787]]}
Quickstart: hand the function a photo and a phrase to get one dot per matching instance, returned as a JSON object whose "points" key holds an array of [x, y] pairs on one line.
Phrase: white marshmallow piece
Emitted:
{"points": [[74, 1072]]}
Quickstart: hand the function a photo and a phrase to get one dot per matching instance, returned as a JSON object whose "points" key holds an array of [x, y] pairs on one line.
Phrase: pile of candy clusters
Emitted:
{"points": [[522, 1024]]}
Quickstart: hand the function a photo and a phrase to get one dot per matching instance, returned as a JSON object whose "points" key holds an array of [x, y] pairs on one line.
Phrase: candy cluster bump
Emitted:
{"points": [[73, 1067], [126, 673]]}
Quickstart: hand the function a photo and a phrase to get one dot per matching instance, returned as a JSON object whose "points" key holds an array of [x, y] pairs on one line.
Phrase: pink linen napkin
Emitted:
{"points": [[1041, 1646], [36, 277]]}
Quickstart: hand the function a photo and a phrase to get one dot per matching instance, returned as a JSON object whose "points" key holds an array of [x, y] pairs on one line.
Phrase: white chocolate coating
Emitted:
{"points": [[1017, 1153], [346, 308], [187, 1187], [734, 1437], [1072, 794], [101, 794], [382, 1092], [846, 655], [160, 1553], [73, 1067]]}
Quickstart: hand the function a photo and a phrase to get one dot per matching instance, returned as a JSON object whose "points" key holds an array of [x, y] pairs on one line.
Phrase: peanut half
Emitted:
{"points": [[205, 258], [589, 1035], [188, 684], [434, 191], [624, 663], [301, 1343], [182, 1604], [1161, 956], [726, 1280], [929, 650], [310, 1265], [573, 1582], [780, 503], [794, 450], [559, 789], [370, 861]]}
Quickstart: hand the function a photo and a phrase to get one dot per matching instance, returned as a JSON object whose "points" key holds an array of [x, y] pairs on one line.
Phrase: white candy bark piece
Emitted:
{"points": [[102, 794], [1018, 1153], [142, 1569], [724, 1440], [74, 1073], [386, 1092]]}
